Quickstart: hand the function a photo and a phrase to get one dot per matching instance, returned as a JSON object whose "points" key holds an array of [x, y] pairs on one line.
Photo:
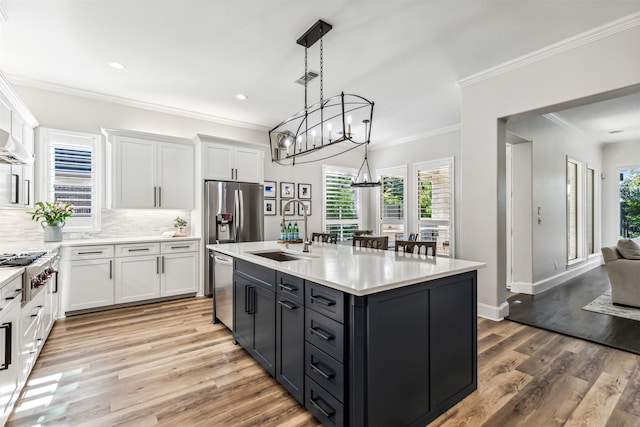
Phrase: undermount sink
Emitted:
{"points": [[279, 256]]}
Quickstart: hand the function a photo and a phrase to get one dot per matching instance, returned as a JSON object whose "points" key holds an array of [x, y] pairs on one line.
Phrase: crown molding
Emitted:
{"points": [[563, 123], [16, 103], [98, 96], [582, 39], [417, 137]]}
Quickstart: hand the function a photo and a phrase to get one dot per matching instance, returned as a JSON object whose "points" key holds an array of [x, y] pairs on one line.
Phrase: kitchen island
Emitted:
{"points": [[361, 337]]}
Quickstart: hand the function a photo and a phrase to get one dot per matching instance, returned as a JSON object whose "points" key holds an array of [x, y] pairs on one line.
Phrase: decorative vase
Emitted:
{"points": [[52, 233]]}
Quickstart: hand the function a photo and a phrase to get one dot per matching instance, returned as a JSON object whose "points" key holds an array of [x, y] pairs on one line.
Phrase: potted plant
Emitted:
{"points": [[51, 217], [181, 225]]}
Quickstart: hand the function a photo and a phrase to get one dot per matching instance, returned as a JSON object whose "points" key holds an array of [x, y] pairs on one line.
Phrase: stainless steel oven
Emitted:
{"points": [[41, 267]]}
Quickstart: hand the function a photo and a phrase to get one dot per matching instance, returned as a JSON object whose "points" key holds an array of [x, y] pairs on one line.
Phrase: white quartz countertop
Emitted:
{"points": [[357, 271], [7, 274]]}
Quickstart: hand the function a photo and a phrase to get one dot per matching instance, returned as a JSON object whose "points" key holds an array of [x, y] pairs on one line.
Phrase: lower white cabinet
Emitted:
{"points": [[91, 284], [101, 276], [137, 278], [10, 372]]}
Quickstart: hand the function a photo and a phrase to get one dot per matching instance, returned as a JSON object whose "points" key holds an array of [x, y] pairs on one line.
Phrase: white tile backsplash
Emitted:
{"points": [[16, 225]]}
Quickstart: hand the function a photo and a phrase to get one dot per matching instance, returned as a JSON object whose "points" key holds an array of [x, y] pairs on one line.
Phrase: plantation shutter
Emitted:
{"points": [[72, 177], [341, 204], [434, 203], [392, 198]]}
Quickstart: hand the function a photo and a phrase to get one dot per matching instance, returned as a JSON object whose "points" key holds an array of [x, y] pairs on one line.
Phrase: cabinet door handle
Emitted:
{"points": [[286, 305], [38, 312], [180, 247], [90, 253], [27, 191], [320, 371], [321, 334], [155, 196], [162, 264], [138, 250], [252, 300], [7, 345], [110, 269], [159, 197], [288, 288], [326, 413], [157, 265], [15, 188], [322, 300], [246, 298]]}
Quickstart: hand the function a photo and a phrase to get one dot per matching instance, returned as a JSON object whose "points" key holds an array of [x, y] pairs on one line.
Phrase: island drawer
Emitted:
{"points": [[327, 301], [91, 252], [180, 246], [326, 334], [290, 286], [324, 370], [263, 276], [322, 405], [137, 249]]}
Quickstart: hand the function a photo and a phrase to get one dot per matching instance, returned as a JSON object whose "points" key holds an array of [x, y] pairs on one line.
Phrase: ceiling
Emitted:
{"points": [[195, 56]]}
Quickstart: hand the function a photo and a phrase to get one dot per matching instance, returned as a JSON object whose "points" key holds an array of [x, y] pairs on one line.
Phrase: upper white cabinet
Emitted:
{"points": [[153, 172], [232, 162], [16, 180]]}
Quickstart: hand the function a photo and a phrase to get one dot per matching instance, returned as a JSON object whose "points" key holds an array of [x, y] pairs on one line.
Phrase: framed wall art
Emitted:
{"points": [[304, 191], [290, 208], [270, 207], [307, 204], [270, 190], [287, 190]]}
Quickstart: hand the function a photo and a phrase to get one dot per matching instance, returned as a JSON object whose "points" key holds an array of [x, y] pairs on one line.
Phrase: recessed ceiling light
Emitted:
{"points": [[116, 65], [615, 131], [241, 96]]}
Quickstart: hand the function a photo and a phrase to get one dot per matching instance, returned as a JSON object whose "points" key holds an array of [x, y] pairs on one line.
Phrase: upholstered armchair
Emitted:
{"points": [[624, 275]]}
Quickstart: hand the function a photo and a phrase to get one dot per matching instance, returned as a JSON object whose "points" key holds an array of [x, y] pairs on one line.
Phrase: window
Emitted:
{"points": [[434, 202], [341, 205], [629, 189], [391, 202], [576, 211], [591, 211], [71, 175]]}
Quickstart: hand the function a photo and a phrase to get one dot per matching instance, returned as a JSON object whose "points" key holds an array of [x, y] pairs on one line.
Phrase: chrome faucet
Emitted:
{"points": [[306, 242]]}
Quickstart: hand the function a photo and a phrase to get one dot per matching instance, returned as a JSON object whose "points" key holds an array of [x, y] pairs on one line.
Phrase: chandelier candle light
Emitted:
{"points": [[305, 133]]}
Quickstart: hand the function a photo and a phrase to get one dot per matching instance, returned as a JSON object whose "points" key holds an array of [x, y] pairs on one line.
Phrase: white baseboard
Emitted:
{"points": [[553, 281], [492, 312]]}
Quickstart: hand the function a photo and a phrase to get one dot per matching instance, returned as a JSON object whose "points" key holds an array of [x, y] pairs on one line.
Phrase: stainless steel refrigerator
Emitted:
{"points": [[233, 212]]}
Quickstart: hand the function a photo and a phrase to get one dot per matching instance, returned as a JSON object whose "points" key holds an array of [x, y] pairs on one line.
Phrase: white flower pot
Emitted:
{"points": [[52, 233]]}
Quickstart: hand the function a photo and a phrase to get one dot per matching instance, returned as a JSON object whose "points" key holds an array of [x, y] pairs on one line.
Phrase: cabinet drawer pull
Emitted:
{"points": [[138, 250], [90, 253], [288, 288], [321, 334], [320, 371], [321, 409], [288, 306], [16, 295], [38, 312], [181, 247], [322, 300]]}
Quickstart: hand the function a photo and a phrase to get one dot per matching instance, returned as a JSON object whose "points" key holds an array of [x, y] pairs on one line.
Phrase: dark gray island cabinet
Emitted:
{"points": [[399, 357]]}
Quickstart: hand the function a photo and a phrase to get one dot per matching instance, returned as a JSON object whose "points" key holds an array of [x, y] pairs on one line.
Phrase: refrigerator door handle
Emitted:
{"points": [[241, 211], [236, 202]]}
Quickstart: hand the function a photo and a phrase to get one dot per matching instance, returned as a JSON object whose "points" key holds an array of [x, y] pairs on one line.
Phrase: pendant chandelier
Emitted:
{"points": [[364, 182], [331, 122]]}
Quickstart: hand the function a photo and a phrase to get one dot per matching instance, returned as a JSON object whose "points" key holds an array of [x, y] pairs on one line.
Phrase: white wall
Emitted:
{"points": [[595, 67], [522, 215], [623, 155]]}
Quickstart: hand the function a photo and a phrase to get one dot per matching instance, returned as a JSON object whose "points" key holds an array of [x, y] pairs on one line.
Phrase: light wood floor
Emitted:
{"points": [[166, 364]]}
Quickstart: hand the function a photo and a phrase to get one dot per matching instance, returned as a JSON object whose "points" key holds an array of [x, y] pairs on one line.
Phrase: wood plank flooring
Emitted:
{"points": [[165, 364]]}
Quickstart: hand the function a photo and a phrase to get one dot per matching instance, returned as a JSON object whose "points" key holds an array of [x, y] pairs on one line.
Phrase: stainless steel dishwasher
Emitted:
{"points": [[222, 288]]}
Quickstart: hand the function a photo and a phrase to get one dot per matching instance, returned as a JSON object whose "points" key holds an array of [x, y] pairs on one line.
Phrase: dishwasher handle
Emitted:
{"points": [[223, 260]]}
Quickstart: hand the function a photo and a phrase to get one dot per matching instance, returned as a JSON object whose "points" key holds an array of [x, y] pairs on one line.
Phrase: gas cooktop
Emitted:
{"points": [[20, 259]]}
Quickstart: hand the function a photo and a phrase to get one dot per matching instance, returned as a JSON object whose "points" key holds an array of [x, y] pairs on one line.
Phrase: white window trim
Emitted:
{"points": [[433, 164], [342, 170], [394, 170], [43, 149]]}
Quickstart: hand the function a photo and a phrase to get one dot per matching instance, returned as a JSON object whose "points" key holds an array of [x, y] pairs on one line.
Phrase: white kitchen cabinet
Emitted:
{"points": [[91, 284], [179, 268], [229, 162], [153, 174], [10, 355], [137, 272]]}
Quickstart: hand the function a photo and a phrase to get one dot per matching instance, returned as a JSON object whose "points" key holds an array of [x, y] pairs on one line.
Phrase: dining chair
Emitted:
{"points": [[324, 237], [371, 242], [410, 246]]}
